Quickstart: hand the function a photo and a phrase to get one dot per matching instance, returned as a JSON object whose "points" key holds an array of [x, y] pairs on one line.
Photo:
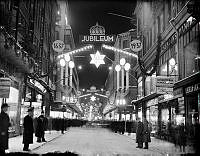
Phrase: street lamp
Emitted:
{"points": [[123, 66], [117, 68], [65, 62], [62, 62], [71, 64], [122, 61]]}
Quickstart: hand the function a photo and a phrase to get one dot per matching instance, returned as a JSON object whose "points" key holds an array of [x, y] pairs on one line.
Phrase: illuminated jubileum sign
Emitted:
{"points": [[97, 34]]}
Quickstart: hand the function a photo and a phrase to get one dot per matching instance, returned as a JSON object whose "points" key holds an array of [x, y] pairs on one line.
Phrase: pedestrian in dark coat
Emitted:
{"points": [[28, 129], [62, 125], [40, 128], [146, 133], [4, 125], [139, 135], [182, 137]]}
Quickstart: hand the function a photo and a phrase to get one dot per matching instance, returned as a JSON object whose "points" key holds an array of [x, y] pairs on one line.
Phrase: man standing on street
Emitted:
{"points": [[28, 129], [146, 133], [40, 128], [139, 135], [4, 125]]}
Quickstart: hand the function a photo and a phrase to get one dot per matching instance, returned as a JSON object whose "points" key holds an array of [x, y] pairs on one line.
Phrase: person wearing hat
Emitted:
{"points": [[41, 127], [4, 125], [28, 129]]}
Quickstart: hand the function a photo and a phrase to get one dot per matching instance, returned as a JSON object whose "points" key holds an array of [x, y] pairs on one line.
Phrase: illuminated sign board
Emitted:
{"points": [[71, 100], [97, 34]]}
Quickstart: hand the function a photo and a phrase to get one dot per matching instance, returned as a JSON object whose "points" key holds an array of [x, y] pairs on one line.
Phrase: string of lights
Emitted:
{"points": [[118, 50], [88, 47]]}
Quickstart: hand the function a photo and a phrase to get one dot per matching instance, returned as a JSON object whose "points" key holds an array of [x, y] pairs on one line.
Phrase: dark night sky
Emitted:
{"points": [[85, 13]]}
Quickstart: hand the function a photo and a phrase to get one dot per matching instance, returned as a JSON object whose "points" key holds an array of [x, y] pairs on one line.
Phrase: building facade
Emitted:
{"points": [[169, 66], [27, 32], [66, 78]]}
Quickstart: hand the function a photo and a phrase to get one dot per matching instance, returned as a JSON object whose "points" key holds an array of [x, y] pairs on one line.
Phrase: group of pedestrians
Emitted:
{"points": [[28, 128], [143, 131]]}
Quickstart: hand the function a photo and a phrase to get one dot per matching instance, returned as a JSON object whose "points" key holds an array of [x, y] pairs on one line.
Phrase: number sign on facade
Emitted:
{"points": [[58, 46], [136, 45]]}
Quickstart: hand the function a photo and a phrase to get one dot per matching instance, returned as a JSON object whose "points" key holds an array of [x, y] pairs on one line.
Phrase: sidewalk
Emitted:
{"points": [[15, 143], [162, 146]]}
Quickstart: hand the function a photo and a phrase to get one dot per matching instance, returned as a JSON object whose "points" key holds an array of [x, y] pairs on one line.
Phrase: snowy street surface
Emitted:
{"points": [[102, 142]]}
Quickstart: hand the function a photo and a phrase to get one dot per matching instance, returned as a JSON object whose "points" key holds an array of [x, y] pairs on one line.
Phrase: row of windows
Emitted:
{"points": [[161, 22], [167, 55]]}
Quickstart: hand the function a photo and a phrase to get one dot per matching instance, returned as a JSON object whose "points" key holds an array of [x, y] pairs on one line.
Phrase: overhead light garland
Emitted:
{"points": [[119, 50], [88, 47]]}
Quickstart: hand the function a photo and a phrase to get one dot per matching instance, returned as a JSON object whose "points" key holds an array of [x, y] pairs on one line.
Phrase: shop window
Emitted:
{"points": [[164, 118], [153, 118], [151, 37], [148, 85], [125, 44], [163, 69], [140, 88], [161, 23], [191, 64], [153, 83]]}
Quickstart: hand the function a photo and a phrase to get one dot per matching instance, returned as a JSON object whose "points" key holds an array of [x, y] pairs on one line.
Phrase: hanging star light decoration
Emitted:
{"points": [[92, 98], [97, 59]]}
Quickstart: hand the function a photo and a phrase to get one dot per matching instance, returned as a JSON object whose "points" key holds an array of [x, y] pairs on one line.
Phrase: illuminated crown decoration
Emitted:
{"points": [[97, 30]]}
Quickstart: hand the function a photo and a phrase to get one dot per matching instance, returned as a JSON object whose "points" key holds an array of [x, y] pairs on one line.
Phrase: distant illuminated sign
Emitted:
{"points": [[97, 34], [164, 84], [89, 38], [71, 100]]}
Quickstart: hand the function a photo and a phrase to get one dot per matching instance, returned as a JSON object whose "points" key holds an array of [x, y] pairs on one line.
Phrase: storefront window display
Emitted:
{"points": [[152, 117], [37, 104], [191, 63], [148, 85], [164, 118], [140, 113], [12, 101]]}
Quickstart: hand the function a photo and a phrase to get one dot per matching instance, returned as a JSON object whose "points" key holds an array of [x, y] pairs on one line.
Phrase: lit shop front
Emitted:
{"points": [[190, 100], [9, 93], [34, 94]]}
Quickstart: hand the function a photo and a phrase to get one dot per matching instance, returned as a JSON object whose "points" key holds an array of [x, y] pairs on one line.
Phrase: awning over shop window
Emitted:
{"points": [[75, 108], [43, 83], [146, 98], [187, 81], [112, 109]]}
